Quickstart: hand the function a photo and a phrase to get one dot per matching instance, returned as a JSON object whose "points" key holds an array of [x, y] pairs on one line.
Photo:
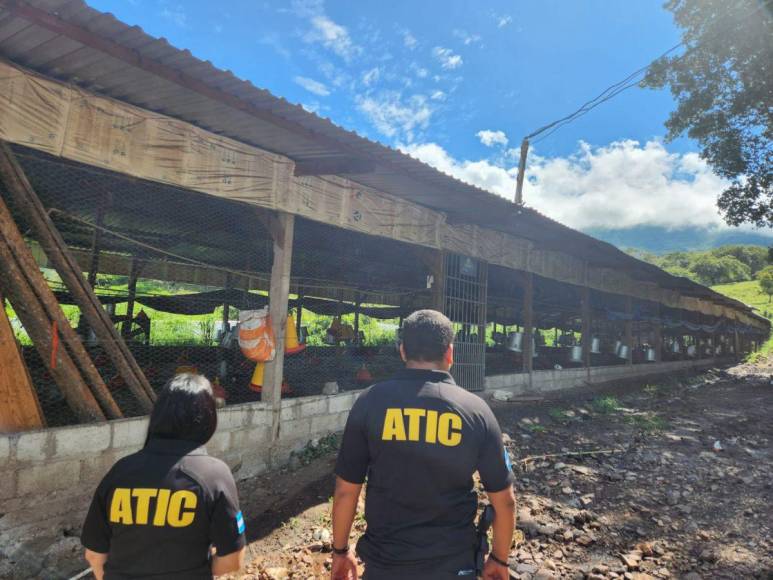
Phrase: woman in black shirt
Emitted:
{"points": [[160, 512]]}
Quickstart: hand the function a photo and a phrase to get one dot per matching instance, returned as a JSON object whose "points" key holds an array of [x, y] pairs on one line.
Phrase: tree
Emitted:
{"points": [[723, 85], [765, 279], [711, 270], [756, 257]]}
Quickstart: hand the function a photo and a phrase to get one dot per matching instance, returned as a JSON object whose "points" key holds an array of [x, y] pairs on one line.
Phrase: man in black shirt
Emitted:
{"points": [[419, 438]]}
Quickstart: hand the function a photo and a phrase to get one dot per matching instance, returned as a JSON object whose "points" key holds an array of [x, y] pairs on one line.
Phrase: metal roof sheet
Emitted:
{"points": [[67, 39]]}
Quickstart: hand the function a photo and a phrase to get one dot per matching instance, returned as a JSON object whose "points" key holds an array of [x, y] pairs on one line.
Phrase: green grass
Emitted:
{"points": [[750, 294], [647, 422], [606, 405]]}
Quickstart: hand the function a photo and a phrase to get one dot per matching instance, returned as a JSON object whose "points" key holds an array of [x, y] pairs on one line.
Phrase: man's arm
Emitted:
{"points": [[344, 509], [503, 527], [229, 563], [97, 563]]}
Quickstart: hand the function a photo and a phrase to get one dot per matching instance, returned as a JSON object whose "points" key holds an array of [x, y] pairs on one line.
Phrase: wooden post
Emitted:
{"points": [[134, 272], [736, 341], [357, 319], [528, 323], [658, 332], [282, 228], [40, 328], [96, 240], [38, 310], [629, 328], [19, 405], [586, 326], [299, 315], [53, 244]]}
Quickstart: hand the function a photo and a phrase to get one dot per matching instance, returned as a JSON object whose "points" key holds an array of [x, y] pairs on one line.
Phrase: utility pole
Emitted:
{"points": [[521, 171]]}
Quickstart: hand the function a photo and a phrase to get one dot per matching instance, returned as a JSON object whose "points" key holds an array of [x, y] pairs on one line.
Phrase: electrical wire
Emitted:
{"points": [[612, 91]]}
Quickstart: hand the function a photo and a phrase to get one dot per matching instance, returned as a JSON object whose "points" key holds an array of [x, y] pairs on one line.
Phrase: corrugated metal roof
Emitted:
{"points": [[67, 39]]}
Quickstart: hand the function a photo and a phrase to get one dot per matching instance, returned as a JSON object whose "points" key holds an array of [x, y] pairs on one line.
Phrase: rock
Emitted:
{"points": [[708, 555], [524, 568], [672, 497], [330, 388], [692, 576], [547, 529], [544, 574], [277, 573], [632, 559], [581, 469], [504, 396]]}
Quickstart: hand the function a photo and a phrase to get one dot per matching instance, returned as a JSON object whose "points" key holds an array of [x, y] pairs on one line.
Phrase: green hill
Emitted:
{"points": [[750, 294]]}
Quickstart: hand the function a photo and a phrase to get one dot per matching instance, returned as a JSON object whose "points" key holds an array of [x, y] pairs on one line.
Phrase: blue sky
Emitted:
{"points": [[458, 83]]}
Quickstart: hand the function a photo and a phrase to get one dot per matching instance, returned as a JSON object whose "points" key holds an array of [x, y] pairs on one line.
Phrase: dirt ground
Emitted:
{"points": [[670, 479]]}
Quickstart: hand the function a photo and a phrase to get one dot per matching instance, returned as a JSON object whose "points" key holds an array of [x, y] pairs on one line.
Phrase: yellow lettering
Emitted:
{"points": [[142, 510], [414, 422], [447, 423], [180, 500], [162, 504], [431, 434], [394, 428], [121, 507]]}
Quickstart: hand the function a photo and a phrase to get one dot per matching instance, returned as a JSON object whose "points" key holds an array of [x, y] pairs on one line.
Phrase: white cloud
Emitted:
{"points": [[324, 30], [409, 40], [466, 37], [395, 116], [503, 21], [491, 138], [448, 60], [419, 71], [312, 86], [176, 15], [622, 185], [438, 95], [371, 76]]}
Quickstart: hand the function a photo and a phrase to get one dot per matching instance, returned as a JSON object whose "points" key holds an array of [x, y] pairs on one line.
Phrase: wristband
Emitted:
{"points": [[342, 551], [498, 561]]}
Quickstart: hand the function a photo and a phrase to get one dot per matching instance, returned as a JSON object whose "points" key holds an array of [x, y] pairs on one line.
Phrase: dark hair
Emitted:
{"points": [[185, 410], [426, 336]]}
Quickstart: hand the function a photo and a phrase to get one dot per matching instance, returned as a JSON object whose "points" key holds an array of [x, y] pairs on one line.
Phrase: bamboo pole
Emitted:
{"points": [[51, 241]]}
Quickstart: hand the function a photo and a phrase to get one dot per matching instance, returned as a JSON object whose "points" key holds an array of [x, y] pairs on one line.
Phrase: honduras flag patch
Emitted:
{"points": [[508, 462], [240, 523]]}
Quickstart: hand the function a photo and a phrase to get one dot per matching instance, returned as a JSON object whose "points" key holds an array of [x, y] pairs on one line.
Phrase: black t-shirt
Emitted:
{"points": [[158, 511], [419, 438]]}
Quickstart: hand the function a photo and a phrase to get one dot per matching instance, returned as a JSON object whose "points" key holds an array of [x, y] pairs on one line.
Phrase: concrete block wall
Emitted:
{"points": [[48, 476], [556, 380]]}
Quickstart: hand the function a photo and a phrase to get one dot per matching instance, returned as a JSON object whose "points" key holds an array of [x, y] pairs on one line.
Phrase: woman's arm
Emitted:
{"points": [[228, 563], [97, 563]]}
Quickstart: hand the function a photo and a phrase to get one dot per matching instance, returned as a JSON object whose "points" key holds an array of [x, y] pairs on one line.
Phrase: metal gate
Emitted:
{"points": [[465, 301]]}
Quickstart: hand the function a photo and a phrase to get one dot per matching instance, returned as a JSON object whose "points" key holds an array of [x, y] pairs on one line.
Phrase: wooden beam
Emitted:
{"points": [[586, 314], [29, 205], [60, 366], [282, 229], [134, 273], [26, 288], [629, 329], [19, 405], [334, 166], [528, 322], [658, 332]]}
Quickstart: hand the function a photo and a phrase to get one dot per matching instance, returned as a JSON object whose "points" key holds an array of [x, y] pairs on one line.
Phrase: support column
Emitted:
{"points": [[736, 341], [629, 328], [134, 273], [282, 227], [658, 337], [528, 323], [586, 326], [357, 319]]}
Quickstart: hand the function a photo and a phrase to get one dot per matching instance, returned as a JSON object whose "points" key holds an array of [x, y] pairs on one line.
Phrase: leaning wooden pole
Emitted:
{"points": [[51, 241], [25, 272], [41, 330]]}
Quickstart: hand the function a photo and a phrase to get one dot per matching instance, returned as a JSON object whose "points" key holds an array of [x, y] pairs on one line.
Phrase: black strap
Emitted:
{"points": [[498, 561], [341, 551]]}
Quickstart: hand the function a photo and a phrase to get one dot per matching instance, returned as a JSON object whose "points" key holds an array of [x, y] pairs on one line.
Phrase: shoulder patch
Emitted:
{"points": [[240, 527], [508, 462]]}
